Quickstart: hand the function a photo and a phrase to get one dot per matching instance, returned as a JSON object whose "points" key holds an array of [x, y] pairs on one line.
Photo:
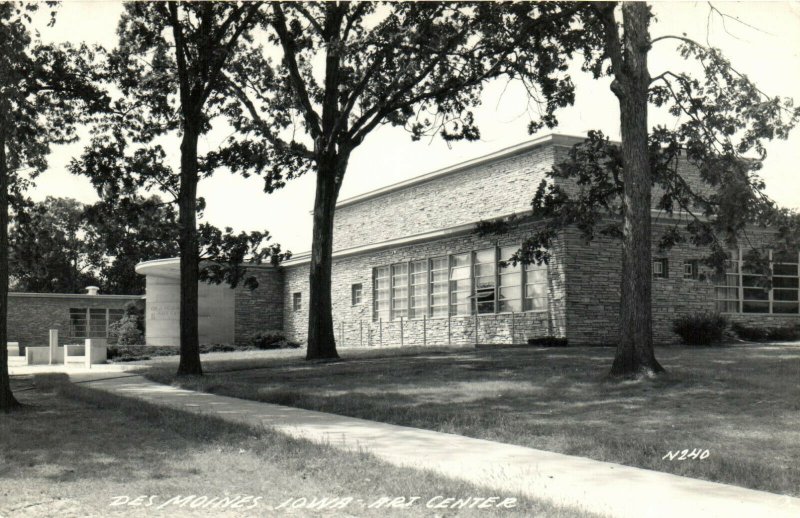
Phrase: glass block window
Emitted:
{"points": [[536, 287], [510, 279], [380, 296], [419, 289], [439, 287], [460, 284], [400, 290]]}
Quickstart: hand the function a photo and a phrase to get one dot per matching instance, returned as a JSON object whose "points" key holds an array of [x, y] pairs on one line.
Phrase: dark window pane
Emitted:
{"points": [[790, 295], [785, 307], [755, 307], [755, 294], [784, 282]]}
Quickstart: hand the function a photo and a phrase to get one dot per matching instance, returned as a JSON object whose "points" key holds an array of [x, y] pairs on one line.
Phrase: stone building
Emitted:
{"points": [[76, 316], [409, 269]]}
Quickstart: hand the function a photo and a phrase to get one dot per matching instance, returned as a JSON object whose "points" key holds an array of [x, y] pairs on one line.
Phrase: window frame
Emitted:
{"points": [[297, 301], [735, 269], [439, 276], [356, 294]]}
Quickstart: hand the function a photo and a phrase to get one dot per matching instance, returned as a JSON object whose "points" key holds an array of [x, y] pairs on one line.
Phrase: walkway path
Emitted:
{"points": [[601, 487]]}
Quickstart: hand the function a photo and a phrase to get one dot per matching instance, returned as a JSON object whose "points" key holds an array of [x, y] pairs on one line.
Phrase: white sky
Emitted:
{"points": [[770, 55]]}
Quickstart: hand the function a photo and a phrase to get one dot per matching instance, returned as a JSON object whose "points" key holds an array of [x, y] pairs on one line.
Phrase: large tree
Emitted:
{"points": [[44, 92], [722, 121], [124, 231], [49, 252], [344, 69], [169, 68], [60, 245]]}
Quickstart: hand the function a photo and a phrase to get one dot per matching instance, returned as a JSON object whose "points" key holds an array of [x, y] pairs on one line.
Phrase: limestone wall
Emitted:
{"points": [[355, 326]]}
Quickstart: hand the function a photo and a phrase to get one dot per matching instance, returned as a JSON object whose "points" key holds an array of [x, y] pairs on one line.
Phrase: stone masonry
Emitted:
{"points": [[259, 310], [32, 315]]}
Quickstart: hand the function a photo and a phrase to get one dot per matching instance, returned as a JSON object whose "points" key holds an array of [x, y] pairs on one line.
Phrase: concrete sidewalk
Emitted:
{"points": [[600, 487]]}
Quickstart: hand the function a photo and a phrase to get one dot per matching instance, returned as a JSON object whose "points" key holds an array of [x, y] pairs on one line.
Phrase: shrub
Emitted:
{"points": [[130, 353], [272, 341], [127, 331], [762, 334], [548, 341], [701, 328]]}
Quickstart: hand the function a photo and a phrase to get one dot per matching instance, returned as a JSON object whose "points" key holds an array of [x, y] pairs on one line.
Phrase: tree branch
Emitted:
{"points": [[311, 117]]}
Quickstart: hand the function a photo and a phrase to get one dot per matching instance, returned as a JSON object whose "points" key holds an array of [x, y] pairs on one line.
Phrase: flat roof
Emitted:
{"points": [[171, 267], [553, 139]]}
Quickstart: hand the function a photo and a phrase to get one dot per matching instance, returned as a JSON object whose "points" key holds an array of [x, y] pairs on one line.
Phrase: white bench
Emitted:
{"points": [[92, 352], [13, 348]]}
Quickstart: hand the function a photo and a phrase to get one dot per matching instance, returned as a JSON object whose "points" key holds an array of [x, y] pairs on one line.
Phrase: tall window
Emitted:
{"points": [[419, 289], [535, 287], [439, 290], [484, 263], [399, 290], [510, 298], [382, 309], [296, 301], [92, 322], [460, 285], [743, 290], [785, 284]]}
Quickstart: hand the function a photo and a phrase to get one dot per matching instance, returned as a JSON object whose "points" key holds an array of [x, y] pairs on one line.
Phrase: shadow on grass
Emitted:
{"points": [[60, 435], [742, 403]]}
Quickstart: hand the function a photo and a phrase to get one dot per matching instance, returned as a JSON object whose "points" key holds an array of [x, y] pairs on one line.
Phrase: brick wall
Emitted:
{"points": [[593, 290], [354, 324], [480, 192], [32, 315], [259, 310]]}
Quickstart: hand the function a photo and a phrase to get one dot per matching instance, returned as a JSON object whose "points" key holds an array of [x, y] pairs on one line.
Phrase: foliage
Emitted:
{"points": [[45, 91], [722, 123], [126, 154], [345, 69], [701, 328], [765, 334], [61, 246], [129, 330], [272, 341], [126, 330], [49, 251], [125, 232], [548, 341]]}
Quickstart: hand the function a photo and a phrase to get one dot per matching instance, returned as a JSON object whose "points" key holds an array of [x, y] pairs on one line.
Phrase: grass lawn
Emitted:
{"points": [[72, 450], [741, 403]]}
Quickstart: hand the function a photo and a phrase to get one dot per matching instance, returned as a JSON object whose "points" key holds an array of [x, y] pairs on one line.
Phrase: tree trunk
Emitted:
{"points": [[189, 260], [321, 337], [7, 399], [635, 356]]}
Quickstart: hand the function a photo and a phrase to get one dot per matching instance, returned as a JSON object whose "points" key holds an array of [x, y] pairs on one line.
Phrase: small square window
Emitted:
{"points": [[660, 268], [356, 291], [296, 301], [690, 269]]}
